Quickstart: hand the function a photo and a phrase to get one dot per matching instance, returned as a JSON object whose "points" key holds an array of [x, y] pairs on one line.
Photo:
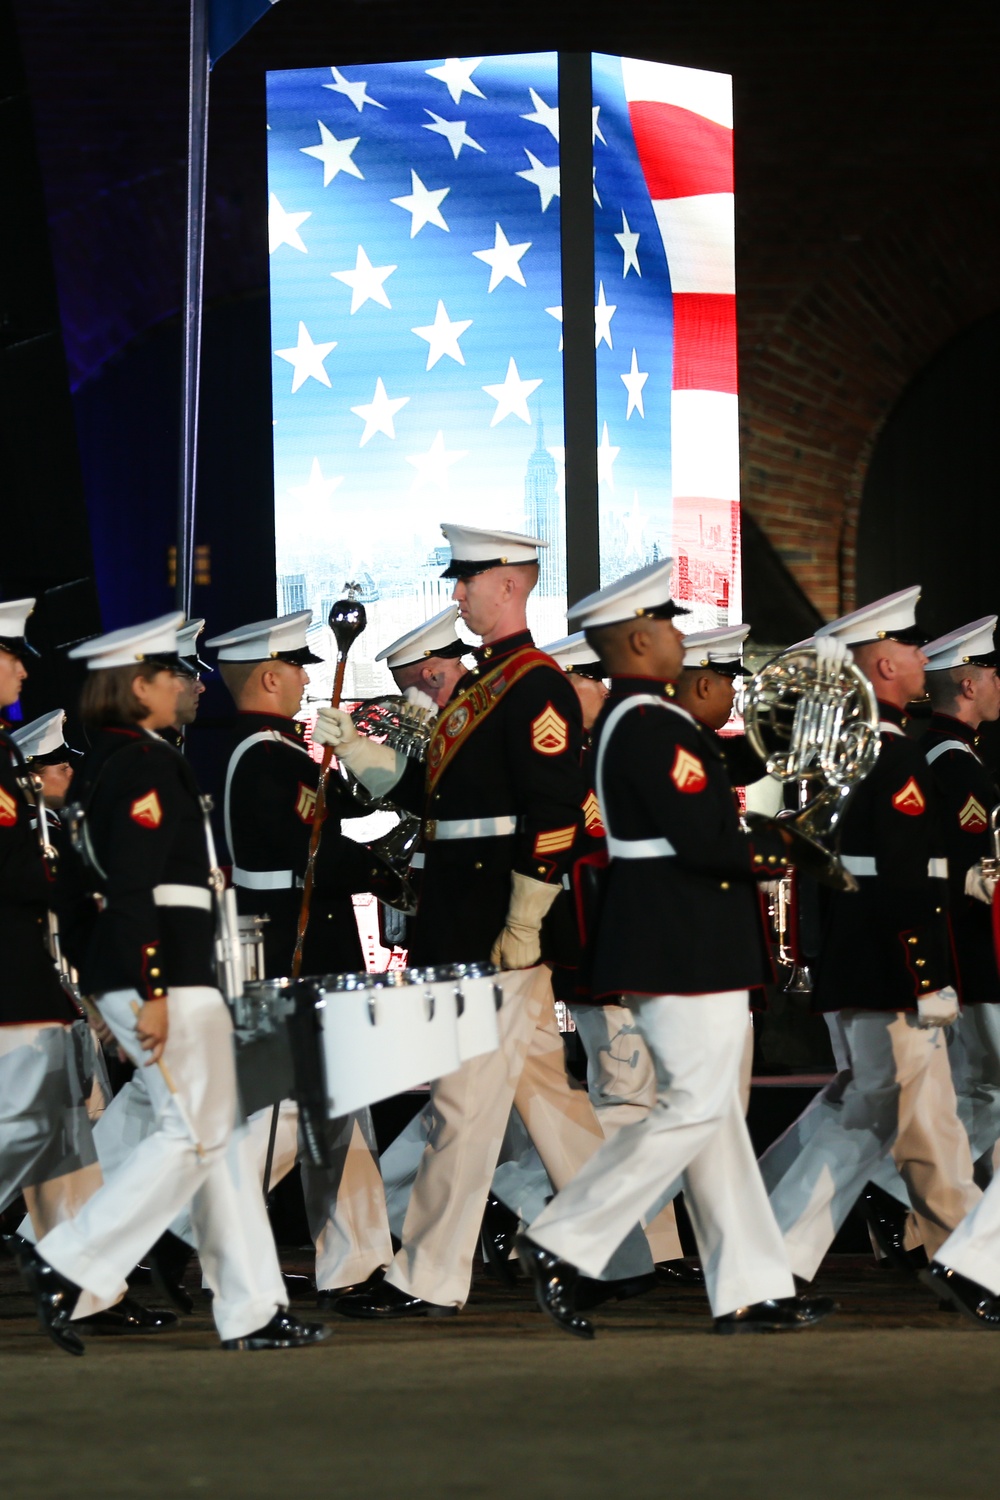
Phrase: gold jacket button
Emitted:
{"points": [[921, 962], [724, 886], [911, 941]]}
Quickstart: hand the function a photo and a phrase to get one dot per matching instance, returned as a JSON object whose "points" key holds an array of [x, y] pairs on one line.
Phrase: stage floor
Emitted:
{"points": [[890, 1397]]}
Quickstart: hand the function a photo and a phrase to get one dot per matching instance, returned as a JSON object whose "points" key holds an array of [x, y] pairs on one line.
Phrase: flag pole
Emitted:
{"points": [[194, 276]]}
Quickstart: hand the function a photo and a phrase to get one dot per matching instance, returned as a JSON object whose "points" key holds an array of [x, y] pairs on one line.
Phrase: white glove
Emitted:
{"points": [[937, 1009], [519, 944], [376, 766], [420, 699], [979, 886], [831, 654]]}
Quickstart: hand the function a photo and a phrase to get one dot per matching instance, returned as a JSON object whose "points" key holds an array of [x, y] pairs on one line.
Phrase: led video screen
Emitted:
{"points": [[416, 298], [414, 217]]}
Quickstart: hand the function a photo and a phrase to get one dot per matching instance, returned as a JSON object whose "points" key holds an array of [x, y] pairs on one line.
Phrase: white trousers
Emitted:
{"points": [[345, 1204], [898, 1098], [974, 1051], [469, 1112], [696, 1132], [826, 1105], [183, 1160], [48, 1087], [973, 1249], [621, 1082]]}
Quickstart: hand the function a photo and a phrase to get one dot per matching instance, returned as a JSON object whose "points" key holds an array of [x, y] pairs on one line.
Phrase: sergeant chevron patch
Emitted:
{"points": [[305, 802], [549, 732], [8, 810], [972, 816], [146, 811], [687, 772], [909, 799]]}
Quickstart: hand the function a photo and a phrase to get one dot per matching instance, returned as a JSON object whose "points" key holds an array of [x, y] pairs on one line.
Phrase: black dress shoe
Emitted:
{"points": [[168, 1260], [591, 1293], [982, 1307], [327, 1299], [555, 1283], [675, 1273], [128, 1316], [55, 1298], [776, 1315], [387, 1301], [499, 1231], [283, 1332], [886, 1218]]}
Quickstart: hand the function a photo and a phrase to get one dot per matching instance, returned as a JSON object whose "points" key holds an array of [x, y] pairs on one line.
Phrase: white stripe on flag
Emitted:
{"points": [[699, 240], [705, 444], [708, 94]]}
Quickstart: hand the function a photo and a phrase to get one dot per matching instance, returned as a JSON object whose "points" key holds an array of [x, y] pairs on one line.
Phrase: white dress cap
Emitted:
{"points": [[435, 637], [893, 618], [970, 645], [574, 655], [155, 640], [718, 649], [474, 551], [644, 592], [281, 639], [13, 616], [43, 738]]}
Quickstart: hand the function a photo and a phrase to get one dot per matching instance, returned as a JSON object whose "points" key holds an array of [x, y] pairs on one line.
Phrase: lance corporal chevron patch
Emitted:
{"points": [[910, 799], [147, 811], [305, 802]]}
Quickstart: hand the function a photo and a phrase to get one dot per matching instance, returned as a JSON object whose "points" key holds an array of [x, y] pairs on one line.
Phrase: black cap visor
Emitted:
{"points": [[463, 568], [18, 646]]}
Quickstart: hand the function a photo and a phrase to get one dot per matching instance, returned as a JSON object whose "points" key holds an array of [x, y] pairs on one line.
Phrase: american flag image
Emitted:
{"points": [[415, 310]]}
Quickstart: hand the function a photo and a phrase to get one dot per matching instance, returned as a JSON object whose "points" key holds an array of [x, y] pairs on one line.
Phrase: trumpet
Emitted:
{"points": [[780, 919]]}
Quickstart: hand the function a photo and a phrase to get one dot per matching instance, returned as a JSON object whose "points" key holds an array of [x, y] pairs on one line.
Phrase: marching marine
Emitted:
{"points": [[675, 847], [501, 804], [149, 968], [270, 796], [885, 965]]}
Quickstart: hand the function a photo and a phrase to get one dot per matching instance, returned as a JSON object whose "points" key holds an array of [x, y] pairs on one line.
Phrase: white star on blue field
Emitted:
{"points": [[415, 294]]}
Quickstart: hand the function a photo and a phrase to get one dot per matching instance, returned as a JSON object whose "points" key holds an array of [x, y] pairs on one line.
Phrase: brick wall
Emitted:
{"points": [[867, 206]]}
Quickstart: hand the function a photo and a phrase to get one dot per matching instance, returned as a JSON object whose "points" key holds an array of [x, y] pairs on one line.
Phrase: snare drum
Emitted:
{"points": [[478, 997], [264, 1065], [251, 936], [385, 1033]]}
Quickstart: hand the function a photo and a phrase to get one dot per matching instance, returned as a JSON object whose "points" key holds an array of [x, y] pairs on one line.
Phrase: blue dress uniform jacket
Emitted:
{"points": [[507, 748], [145, 825], [967, 793], [270, 797], [31, 991], [885, 945], [689, 922]]}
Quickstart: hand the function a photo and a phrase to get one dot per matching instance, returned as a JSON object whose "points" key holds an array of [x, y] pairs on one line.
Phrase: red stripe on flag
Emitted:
{"points": [[681, 153], [704, 342]]}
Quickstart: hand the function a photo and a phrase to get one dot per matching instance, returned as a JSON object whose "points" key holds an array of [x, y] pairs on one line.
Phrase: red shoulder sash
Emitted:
{"points": [[474, 705]]}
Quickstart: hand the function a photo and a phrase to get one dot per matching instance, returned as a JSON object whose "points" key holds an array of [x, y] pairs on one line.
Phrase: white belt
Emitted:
{"points": [[640, 848], [266, 880], [469, 828], [945, 745], [183, 895], [418, 861], [864, 864]]}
